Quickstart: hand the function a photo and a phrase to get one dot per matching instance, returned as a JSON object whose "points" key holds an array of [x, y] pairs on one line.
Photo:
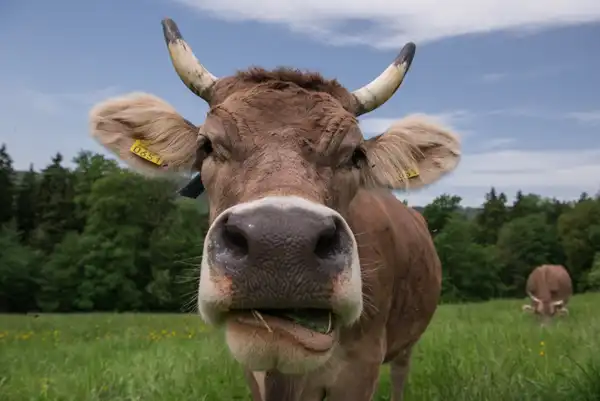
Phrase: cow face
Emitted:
{"points": [[545, 310], [281, 156]]}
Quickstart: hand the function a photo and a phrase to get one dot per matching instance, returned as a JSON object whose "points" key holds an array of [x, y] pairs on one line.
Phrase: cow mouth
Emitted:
{"points": [[313, 329]]}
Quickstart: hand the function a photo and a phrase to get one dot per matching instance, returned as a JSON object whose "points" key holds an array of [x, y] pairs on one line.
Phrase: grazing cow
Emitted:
{"points": [[317, 271], [549, 288]]}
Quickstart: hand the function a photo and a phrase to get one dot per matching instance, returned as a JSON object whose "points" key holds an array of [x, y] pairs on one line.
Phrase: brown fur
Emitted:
{"points": [[286, 132], [549, 284], [308, 80], [401, 287]]}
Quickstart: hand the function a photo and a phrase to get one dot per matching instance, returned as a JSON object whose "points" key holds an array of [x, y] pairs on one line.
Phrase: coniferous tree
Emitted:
{"points": [[7, 186], [56, 206], [26, 204], [492, 217]]}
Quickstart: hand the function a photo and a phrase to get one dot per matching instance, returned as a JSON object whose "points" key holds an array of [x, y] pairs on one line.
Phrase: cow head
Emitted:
{"points": [[545, 309], [281, 156]]}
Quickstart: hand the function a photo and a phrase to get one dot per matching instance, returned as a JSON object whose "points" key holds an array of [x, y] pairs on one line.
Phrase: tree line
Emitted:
{"points": [[97, 237]]}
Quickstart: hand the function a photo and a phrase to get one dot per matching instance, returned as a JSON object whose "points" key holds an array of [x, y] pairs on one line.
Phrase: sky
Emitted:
{"points": [[516, 79]]}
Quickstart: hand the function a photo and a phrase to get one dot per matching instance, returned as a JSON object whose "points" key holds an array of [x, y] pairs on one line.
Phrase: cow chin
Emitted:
{"points": [[270, 348]]}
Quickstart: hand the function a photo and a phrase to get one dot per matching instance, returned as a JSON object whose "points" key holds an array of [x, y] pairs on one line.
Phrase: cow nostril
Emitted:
{"points": [[329, 242], [235, 240]]}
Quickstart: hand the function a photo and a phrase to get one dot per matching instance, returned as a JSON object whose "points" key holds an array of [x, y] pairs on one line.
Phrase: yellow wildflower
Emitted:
{"points": [[44, 386]]}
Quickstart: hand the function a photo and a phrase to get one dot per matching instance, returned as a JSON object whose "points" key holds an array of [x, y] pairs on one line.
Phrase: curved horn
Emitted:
{"points": [[533, 297], [193, 74], [382, 88]]}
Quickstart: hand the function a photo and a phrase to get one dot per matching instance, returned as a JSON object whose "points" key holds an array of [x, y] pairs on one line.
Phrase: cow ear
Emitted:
{"points": [[413, 153], [146, 133]]}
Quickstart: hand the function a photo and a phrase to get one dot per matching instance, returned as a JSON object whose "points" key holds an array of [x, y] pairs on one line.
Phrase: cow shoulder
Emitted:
{"points": [[396, 250]]}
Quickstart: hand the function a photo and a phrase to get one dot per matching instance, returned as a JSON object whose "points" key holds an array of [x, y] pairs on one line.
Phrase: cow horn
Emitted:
{"points": [[382, 88], [193, 74], [533, 297]]}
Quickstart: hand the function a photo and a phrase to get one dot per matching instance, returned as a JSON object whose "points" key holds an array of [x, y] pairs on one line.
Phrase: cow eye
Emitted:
{"points": [[203, 151], [207, 147], [358, 158]]}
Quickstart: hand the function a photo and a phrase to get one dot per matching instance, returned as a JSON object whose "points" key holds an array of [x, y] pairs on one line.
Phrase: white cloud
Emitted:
{"points": [[558, 173], [524, 112], [458, 118], [581, 117], [521, 168], [531, 73], [36, 124], [451, 119], [493, 77], [56, 103], [496, 143], [391, 23], [586, 117]]}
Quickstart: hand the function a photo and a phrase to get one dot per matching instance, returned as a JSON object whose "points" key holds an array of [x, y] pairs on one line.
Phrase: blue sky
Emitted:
{"points": [[517, 79]]}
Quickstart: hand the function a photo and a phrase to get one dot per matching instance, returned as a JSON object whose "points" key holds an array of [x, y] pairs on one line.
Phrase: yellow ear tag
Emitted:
{"points": [[139, 149], [411, 173]]}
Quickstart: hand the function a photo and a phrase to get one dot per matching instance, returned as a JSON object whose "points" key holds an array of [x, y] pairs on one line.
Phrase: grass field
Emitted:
{"points": [[479, 352]]}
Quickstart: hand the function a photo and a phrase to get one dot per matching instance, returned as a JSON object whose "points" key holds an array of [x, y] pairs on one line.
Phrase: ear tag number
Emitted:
{"points": [[139, 149], [411, 173]]}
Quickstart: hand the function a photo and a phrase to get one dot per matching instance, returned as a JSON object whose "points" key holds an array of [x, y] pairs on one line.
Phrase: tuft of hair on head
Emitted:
{"points": [[412, 143], [118, 122]]}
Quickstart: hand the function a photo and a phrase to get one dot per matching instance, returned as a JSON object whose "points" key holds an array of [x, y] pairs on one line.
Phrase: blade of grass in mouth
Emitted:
{"points": [[320, 324]]}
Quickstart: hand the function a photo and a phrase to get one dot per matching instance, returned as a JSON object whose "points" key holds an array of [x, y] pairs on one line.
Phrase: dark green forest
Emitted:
{"points": [[97, 237]]}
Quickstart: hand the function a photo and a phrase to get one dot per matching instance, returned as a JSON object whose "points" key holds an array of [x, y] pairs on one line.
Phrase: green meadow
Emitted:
{"points": [[478, 352]]}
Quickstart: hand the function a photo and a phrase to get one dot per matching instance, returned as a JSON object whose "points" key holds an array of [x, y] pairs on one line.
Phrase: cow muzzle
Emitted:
{"points": [[283, 273]]}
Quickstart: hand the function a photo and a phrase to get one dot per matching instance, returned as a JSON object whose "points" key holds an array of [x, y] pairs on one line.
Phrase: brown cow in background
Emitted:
{"points": [[549, 288], [317, 271]]}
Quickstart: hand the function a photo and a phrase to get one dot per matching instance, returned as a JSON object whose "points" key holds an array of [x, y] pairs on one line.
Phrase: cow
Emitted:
{"points": [[549, 288], [318, 273]]}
